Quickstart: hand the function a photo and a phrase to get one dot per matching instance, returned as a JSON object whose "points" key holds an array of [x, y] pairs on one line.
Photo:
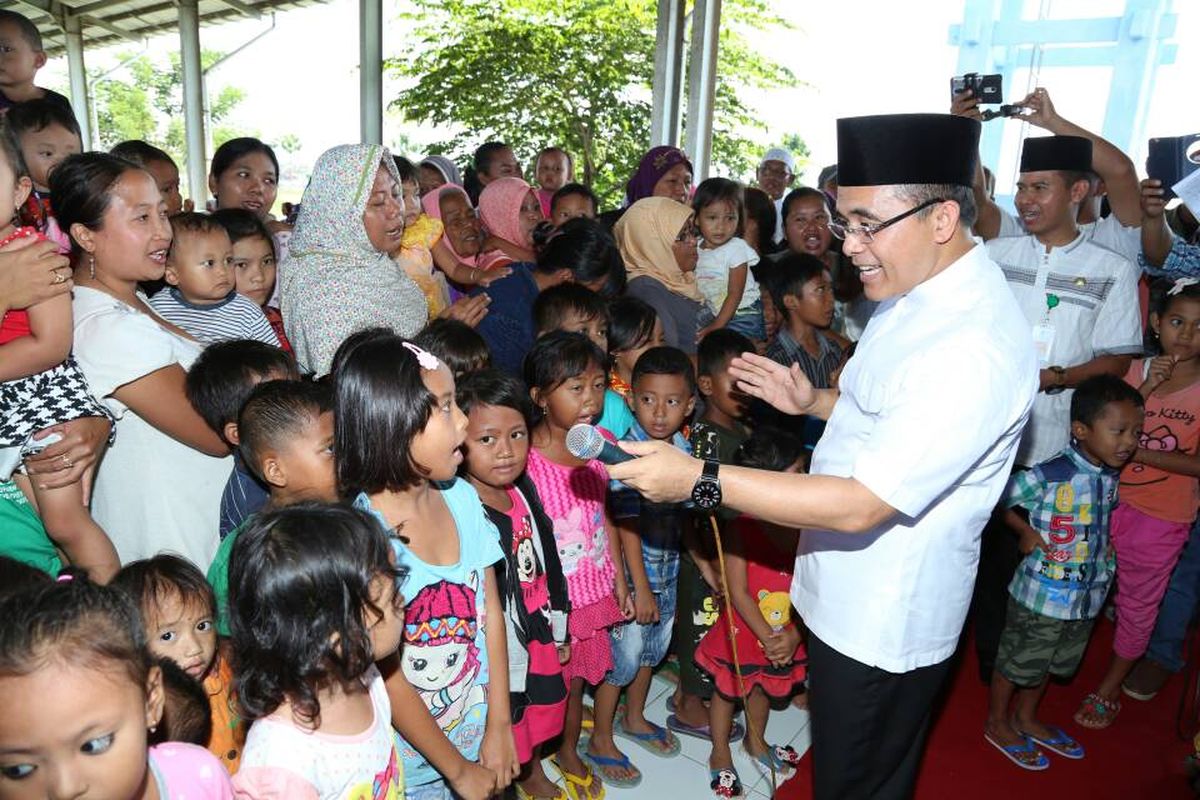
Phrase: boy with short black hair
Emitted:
{"points": [[1060, 586], [201, 294], [573, 308], [571, 201], [285, 431], [22, 56], [652, 535], [802, 290], [218, 383]]}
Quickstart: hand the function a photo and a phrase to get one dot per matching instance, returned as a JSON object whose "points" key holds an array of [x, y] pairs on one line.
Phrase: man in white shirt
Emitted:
{"points": [[775, 174], [917, 450], [1080, 301]]}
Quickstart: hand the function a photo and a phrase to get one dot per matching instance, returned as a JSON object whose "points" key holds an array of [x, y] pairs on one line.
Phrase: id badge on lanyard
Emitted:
{"points": [[1043, 332]]}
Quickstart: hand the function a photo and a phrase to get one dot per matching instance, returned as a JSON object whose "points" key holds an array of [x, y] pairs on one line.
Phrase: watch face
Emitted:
{"points": [[707, 494]]}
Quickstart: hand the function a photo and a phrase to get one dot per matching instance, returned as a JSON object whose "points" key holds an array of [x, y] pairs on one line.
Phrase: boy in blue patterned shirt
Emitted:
{"points": [[1059, 589], [662, 396]]}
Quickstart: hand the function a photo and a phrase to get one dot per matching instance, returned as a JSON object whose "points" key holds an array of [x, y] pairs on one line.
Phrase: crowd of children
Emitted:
{"points": [[376, 569]]}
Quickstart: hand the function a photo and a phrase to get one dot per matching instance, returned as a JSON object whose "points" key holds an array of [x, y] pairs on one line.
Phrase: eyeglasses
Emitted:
{"points": [[866, 233], [775, 172]]}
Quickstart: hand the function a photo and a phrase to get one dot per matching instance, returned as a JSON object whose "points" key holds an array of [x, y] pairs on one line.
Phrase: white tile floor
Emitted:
{"points": [[685, 777]]}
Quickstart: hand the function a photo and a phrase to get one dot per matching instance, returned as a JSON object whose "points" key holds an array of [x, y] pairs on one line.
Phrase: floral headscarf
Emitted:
{"points": [[334, 281], [651, 168], [645, 234]]}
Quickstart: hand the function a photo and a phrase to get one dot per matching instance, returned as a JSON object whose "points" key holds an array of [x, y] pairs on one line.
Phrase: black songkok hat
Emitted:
{"points": [[890, 149], [1045, 153]]}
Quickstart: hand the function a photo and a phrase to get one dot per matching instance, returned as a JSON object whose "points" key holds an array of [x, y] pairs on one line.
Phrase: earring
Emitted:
{"points": [[92, 265], [153, 728]]}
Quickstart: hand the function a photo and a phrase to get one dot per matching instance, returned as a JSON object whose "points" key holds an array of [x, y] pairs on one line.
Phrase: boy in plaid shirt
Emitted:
{"points": [[1059, 589]]}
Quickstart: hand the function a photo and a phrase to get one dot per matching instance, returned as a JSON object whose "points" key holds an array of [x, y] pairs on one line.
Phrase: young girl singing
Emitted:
{"points": [[399, 434], [533, 589], [566, 379]]}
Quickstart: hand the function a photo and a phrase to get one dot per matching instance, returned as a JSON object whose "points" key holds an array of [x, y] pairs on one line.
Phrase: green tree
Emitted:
{"points": [[143, 99], [575, 73]]}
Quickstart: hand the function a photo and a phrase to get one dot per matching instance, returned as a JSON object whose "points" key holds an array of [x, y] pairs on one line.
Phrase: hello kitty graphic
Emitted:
{"points": [[440, 658], [573, 540]]}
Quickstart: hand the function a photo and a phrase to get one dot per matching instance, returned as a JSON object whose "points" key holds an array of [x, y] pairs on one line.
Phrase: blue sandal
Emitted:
{"points": [[601, 765], [1062, 744], [660, 741], [736, 733], [1026, 748]]}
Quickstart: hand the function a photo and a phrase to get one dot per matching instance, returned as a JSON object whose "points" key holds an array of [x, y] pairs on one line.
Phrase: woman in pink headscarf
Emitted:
{"points": [[510, 210]]}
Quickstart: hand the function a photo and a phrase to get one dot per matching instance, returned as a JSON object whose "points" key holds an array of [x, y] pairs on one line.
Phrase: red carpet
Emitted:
{"points": [[1140, 756]]}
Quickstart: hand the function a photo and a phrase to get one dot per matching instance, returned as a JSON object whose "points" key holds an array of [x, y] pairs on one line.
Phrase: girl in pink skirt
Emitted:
{"points": [[566, 378]]}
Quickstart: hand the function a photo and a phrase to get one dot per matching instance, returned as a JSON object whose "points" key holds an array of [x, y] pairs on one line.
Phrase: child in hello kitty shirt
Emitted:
{"points": [[566, 378]]}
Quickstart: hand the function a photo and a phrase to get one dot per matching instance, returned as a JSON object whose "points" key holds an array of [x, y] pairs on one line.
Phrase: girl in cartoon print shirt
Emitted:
{"points": [[1158, 491], [399, 434]]}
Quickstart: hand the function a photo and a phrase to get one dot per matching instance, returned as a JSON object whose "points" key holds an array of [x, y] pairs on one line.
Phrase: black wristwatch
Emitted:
{"points": [[706, 494]]}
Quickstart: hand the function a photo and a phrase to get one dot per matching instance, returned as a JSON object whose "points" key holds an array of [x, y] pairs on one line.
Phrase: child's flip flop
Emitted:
{"points": [[659, 741], [1013, 753], [603, 766], [587, 787], [725, 783], [1062, 744], [736, 733]]}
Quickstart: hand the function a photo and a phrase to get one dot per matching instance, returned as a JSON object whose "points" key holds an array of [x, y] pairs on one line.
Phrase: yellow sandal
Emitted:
{"points": [[577, 788]]}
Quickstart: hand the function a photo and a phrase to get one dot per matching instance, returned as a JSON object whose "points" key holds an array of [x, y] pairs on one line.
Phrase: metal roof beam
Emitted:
{"points": [[111, 28], [93, 7], [242, 8]]}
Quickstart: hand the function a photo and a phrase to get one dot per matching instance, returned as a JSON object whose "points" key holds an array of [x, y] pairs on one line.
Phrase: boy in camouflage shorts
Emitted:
{"points": [[1059, 588]]}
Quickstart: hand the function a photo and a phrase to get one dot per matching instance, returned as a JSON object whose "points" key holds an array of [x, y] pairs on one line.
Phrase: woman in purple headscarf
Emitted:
{"points": [[663, 172]]}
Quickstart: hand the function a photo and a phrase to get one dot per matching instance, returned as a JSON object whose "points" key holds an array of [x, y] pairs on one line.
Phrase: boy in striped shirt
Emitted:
{"points": [[1060, 586], [201, 294]]}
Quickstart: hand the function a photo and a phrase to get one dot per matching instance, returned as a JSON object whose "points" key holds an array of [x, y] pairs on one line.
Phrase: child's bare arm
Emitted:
{"points": [[644, 608], [1029, 538], [617, 554], [48, 344], [1180, 463], [464, 274], [498, 752], [411, 718]]}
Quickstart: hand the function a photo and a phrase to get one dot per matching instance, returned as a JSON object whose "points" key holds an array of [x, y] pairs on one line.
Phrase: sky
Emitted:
{"points": [[877, 56]]}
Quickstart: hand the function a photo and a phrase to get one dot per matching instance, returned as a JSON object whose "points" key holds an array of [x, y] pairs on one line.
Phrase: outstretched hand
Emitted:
{"points": [[787, 389], [1040, 108]]}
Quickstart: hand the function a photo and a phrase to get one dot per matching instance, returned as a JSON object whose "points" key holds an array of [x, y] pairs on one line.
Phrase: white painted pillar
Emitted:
{"points": [[668, 74], [193, 101], [79, 82], [370, 70], [702, 81]]}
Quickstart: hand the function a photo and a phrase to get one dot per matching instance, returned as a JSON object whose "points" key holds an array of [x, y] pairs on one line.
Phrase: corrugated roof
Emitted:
{"points": [[106, 22]]}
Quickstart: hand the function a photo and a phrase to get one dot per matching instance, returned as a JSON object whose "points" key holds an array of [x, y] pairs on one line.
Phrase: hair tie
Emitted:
{"points": [[426, 359], [64, 578], [1182, 284]]}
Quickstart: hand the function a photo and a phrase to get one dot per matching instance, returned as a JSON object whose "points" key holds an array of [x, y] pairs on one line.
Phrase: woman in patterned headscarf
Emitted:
{"points": [[338, 277]]}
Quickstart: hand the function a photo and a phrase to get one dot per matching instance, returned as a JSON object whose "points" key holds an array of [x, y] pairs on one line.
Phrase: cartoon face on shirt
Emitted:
{"points": [[569, 553], [431, 667], [526, 561]]}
